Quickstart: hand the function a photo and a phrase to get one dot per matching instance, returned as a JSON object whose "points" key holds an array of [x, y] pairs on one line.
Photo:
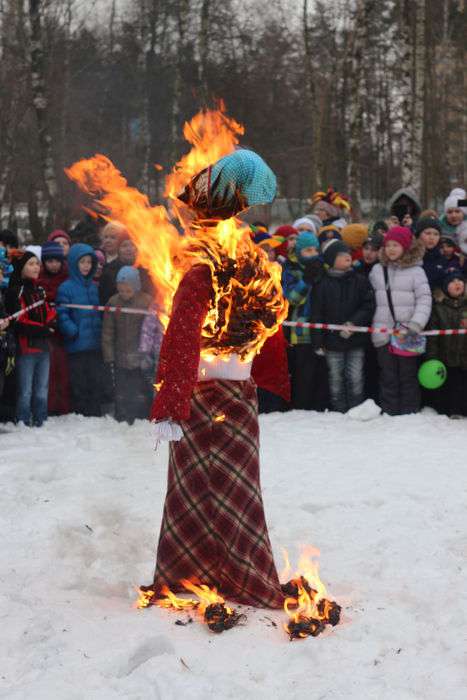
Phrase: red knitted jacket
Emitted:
{"points": [[181, 347]]}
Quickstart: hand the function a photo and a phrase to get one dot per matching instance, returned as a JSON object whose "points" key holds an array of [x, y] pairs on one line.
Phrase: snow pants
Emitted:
{"points": [[399, 390]]}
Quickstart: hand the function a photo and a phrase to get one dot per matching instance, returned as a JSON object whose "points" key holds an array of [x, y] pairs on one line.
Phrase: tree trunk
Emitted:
{"points": [[406, 58], [418, 95], [183, 8], [316, 165], [41, 104], [357, 99], [204, 36]]}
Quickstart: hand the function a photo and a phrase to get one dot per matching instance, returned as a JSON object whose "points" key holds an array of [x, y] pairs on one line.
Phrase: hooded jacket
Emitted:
{"points": [[410, 291], [396, 201], [80, 328]]}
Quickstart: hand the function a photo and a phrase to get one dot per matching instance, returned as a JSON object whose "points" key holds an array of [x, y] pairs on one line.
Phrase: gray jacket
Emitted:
{"points": [[410, 291]]}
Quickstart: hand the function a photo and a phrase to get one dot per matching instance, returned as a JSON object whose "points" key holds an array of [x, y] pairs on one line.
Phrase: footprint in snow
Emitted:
{"points": [[156, 646]]}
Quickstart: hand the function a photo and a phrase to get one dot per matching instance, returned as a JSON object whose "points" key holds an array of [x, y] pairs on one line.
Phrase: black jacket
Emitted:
{"points": [[338, 299]]}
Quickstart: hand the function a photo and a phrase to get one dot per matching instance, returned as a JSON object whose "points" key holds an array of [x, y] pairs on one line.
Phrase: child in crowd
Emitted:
{"points": [[448, 249], [100, 255], [120, 347], [150, 343], [346, 298], [287, 235], [450, 311], [306, 223], [328, 233], [33, 330], [62, 238], [6, 268], [429, 233], [402, 297], [7, 343], [53, 273], [81, 330], [301, 272], [454, 214], [370, 254]]}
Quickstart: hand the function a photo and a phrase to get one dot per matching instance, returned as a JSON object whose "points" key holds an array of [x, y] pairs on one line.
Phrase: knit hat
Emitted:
{"points": [[305, 221], [58, 233], [375, 240], [377, 226], [354, 235], [18, 263], [130, 275], [329, 233], [428, 222], [285, 231], [450, 277], [260, 237], [271, 241], [333, 249], [306, 239], [400, 234], [449, 240], [35, 250], [451, 202], [52, 251]]}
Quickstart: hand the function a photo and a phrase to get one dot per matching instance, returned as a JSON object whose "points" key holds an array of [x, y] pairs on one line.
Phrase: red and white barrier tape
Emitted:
{"points": [[289, 324]]}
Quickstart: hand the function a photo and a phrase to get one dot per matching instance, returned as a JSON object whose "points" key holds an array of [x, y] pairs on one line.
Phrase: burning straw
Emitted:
{"points": [[209, 605], [306, 604]]}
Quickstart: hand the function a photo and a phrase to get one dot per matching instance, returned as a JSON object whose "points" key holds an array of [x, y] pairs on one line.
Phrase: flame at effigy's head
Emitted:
{"points": [[248, 305]]}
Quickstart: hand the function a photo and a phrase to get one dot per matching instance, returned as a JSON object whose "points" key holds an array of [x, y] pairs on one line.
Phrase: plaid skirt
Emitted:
{"points": [[213, 529]]}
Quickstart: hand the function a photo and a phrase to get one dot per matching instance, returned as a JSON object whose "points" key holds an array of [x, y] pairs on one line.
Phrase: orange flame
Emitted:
{"points": [[220, 245], [207, 596], [307, 603]]}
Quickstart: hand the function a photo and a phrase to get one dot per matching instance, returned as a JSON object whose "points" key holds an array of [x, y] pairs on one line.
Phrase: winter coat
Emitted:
{"points": [[339, 298], [435, 266], [297, 293], [151, 336], [51, 283], [80, 328], [7, 339], [34, 328], [410, 291], [448, 313], [121, 332]]}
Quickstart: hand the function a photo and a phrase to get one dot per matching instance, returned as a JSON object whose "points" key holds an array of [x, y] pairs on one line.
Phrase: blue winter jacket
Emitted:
{"points": [[81, 329]]}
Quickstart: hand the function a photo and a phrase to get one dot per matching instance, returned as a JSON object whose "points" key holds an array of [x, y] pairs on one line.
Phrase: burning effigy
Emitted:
{"points": [[219, 298]]}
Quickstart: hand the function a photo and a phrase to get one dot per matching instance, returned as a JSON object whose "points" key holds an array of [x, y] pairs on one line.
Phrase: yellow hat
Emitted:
{"points": [[354, 235]]}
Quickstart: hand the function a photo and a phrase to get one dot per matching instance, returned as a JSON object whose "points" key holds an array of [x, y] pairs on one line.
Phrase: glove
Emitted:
{"points": [[320, 352], [167, 431], [10, 365], [346, 334], [410, 328]]}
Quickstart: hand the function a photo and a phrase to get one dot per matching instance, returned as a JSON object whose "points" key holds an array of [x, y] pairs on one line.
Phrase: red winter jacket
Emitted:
{"points": [[34, 328]]}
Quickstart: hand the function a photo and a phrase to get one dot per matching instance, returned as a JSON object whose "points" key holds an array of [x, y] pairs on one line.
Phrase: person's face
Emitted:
{"points": [[320, 211], [454, 216], [53, 266], [304, 227], [308, 252], [125, 290], [369, 254], [64, 243], [456, 289], [85, 265], [291, 240], [343, 262], [430, 238], [31, 269], [98, 272], [447, 249], [127, 252], [393, 250], [393, 221], [110, 243]]}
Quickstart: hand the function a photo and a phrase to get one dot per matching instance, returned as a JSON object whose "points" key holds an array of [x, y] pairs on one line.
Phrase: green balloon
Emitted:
{"points": [[432, 374]]}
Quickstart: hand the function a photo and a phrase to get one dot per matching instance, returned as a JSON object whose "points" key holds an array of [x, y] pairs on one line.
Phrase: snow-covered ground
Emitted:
{"points": [[385, 501]]}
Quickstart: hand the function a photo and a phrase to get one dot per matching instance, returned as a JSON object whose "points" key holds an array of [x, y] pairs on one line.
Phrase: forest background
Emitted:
{"points": [[364, 95]]}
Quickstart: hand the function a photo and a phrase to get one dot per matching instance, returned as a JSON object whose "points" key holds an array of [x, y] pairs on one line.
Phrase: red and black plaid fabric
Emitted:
{"points": [[213, 529]]}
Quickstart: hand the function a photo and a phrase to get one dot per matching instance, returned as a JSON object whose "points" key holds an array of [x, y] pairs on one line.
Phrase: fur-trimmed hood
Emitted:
{"points": [[412, 256]]}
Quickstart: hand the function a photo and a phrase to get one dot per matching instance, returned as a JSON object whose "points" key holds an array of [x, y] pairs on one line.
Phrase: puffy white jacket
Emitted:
{"points": [[410, 291]]}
